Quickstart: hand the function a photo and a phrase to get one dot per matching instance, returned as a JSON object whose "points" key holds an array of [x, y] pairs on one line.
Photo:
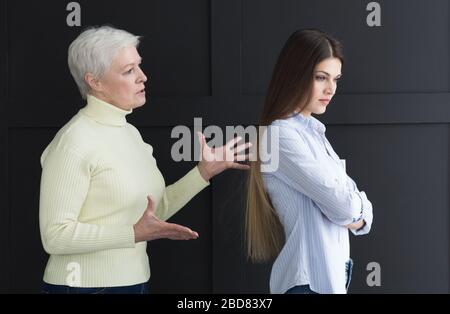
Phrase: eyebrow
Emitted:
{"points": [[328, 74], [140, 60]]}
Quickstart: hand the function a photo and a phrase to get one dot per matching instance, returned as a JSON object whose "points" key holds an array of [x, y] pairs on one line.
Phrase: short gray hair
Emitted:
{"points": [[93, 52]]}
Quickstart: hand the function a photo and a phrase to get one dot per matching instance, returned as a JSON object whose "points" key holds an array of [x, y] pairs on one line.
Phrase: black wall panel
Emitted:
{"points": [[27, 257], [181, 266], [4, 208], [404, 170], [178, 57], [405, 55]]}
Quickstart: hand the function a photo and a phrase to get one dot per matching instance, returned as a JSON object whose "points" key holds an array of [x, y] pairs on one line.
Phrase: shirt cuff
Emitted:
{"points": [[367, 216]]}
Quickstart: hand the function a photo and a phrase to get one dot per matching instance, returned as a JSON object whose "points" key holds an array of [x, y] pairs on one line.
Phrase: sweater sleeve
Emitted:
{"points": [[64, 186], [178, 194]]}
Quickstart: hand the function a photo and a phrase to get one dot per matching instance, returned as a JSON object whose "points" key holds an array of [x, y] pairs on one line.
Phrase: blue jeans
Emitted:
{"points": [[59, 289], [305, 289], [348, 273]]}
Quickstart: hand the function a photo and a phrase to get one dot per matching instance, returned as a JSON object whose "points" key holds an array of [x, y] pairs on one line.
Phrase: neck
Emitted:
{"points": [[103, 97], [104, 112], [305, 113]]}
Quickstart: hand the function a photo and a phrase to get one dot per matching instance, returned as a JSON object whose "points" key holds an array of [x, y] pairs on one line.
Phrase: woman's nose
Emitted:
{"points": [[142, 76], [330, 89]]}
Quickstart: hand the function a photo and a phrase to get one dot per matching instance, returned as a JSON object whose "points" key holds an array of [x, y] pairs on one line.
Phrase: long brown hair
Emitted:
{"points": [[289, 91]]}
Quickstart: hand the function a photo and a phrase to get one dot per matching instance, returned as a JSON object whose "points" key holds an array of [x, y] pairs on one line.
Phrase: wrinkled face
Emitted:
{"points": [[326, 75], [123, 83]]}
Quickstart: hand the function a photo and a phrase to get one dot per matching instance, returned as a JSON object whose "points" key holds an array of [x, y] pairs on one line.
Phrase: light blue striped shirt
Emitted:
{"points": [[314, 198]]}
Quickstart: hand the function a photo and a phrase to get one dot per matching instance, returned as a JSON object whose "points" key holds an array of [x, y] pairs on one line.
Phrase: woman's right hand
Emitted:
{"points": [[356, 225], [149, 227]]}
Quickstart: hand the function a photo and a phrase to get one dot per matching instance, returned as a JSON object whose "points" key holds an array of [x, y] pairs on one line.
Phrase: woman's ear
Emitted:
{"points": [[92, 82]]}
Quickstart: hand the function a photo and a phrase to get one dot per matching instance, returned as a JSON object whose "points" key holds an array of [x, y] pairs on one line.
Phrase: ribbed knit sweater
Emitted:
{"points": [[96, 175]]}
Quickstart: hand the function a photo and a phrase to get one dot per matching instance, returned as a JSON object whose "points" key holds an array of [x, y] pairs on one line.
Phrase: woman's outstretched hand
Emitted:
{"points": [[149, 227], [215, 160]]}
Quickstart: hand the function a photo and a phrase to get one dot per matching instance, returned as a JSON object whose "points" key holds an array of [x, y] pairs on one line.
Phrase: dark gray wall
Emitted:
{"points": [[213, 59], [4, 206]]}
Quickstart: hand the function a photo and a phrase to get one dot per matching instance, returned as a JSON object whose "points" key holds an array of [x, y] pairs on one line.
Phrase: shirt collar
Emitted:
{"points": [[310, 122], [104, 112]]}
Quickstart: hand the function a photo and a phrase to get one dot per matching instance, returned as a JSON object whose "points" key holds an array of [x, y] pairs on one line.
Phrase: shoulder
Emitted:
{"points": [[292, 122], [290, 135], [286, 128], [79, 133], [77, 137]]}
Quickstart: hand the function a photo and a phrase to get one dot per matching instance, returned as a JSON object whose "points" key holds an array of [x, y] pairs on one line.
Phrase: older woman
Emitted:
{"points": [[102, 195]]}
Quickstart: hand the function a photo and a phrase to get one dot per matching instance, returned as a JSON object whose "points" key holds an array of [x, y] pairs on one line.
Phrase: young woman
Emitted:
{"points": [[301, 212]]}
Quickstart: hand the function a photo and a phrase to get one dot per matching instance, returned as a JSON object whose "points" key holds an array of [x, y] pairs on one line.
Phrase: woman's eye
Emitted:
{"points": [[129, 71], [320, 78]]}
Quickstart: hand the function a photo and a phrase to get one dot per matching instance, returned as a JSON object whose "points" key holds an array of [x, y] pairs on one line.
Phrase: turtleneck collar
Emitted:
{"points": [[104, 112]]}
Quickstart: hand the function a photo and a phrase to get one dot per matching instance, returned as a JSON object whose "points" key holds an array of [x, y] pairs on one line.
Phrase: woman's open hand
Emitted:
{"points": [[215, 160], [149, 227]]}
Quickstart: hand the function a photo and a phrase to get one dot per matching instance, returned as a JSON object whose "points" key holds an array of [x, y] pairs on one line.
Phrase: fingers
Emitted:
{"points": [[158, 229], [201, 139], [178, 232], [233, 142], [247, 157], [236, 165], [242, 147]]}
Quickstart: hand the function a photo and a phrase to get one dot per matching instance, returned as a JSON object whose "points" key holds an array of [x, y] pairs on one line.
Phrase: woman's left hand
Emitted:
{"points": [[215, 160]]}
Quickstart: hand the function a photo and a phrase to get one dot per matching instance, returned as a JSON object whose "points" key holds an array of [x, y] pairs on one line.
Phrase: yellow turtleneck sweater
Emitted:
{"points": [[96, 175]]}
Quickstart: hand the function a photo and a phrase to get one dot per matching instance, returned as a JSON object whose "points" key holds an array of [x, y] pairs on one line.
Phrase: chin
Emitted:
{"points": [[320, 111], [139, 103]]}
